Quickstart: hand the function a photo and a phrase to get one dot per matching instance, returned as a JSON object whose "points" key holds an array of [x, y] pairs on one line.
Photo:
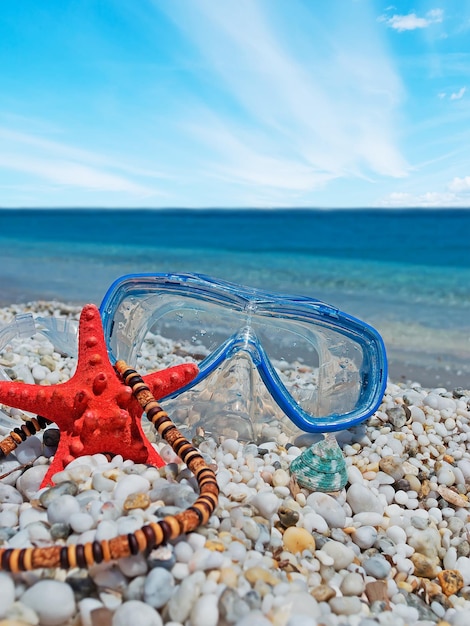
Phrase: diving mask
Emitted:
{"points": [[325, 370]]}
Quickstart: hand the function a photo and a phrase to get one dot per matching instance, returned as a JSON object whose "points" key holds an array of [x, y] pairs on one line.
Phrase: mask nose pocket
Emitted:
{"points": [[232, 401]]}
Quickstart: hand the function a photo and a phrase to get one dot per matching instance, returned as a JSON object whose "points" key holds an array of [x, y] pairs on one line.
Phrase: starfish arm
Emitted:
{"points": [[38, 399], [167, 381]]}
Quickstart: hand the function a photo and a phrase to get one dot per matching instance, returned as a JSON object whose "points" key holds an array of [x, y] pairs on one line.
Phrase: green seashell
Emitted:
{"points": [[321, 467]]}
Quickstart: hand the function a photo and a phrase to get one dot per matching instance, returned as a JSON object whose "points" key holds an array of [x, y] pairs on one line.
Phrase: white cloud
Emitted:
{"points": [[411, 21], [460, 185], [430, 199], [459, 94], [457, 195]]}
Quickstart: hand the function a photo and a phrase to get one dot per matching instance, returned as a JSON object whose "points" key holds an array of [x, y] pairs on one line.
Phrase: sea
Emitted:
{"points": [[405, 272]]}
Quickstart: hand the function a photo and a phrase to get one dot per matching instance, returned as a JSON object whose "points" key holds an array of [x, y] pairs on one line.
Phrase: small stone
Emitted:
{"points": [[182, 600], [424, 566], [256, 573], [328, 508], [159, 586], [297, 540], [80, 522], [232, 607], [66, 488], [52, 600], [425, 540], [352, 584], [29, 451], [451, 581], [163, 556], [342, 555], [266, 503], [376, 590], [7, 593], [136, 612], [453, 497], [130, 484], [136, 501], [10, 495], [345, 605], [51, 437], [361, 499], [398, 416], [377, 566], [393, 466], [323, 593], [280, 478], [364, 537], [205, 611], [288, 517], [30, 481], [301, 604], [62, 508]]}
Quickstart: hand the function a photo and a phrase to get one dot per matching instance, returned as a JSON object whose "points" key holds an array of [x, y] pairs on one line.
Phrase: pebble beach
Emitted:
{"points": [[391, 548]]}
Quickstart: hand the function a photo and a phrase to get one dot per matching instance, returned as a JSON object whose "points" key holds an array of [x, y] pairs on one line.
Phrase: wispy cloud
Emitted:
{"points": [[62, 164], [411, 21], [455, 95], [291, 118], [458, 94]]}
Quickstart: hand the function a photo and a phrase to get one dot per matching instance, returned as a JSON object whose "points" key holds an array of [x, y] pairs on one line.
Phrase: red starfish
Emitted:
{"points": [[94, 410]]}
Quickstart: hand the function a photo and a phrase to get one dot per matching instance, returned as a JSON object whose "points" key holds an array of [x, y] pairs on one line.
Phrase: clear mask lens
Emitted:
{"points": [[321, 369]]}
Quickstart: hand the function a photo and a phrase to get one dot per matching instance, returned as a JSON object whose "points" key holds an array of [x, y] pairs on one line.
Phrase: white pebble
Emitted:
{"points": [[7, 593], [401, 497], [29, 451], [52, 600], [85, 607], [39, 373], [396, 534], [29, 482], [81, 522], [267, 503], [205, 611], [445, 476], [328, 508], [352, 585], [158, 587], [361, 499], [62, 508], [130, 484], [364, 537], [136, 612], [231, 445], [342, 555]]}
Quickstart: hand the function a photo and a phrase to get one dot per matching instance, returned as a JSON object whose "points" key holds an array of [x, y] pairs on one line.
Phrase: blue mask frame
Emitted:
{"points": [[144, 291]]}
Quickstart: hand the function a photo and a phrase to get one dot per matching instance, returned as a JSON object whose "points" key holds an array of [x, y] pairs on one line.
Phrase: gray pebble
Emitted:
{"points": [[231, 606], [51, 437], [377, 566], [158, 587], [68, 487]]}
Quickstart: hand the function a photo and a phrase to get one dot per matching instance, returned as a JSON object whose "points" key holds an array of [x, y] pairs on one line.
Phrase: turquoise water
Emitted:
{"points": [[405, 272]]}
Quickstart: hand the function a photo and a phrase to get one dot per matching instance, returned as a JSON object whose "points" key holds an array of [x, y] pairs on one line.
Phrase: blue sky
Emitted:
{"points": [[234, 103]]}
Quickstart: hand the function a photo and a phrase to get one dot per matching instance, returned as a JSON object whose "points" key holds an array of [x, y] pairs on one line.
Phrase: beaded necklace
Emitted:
{"points": [[149, 536]]}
